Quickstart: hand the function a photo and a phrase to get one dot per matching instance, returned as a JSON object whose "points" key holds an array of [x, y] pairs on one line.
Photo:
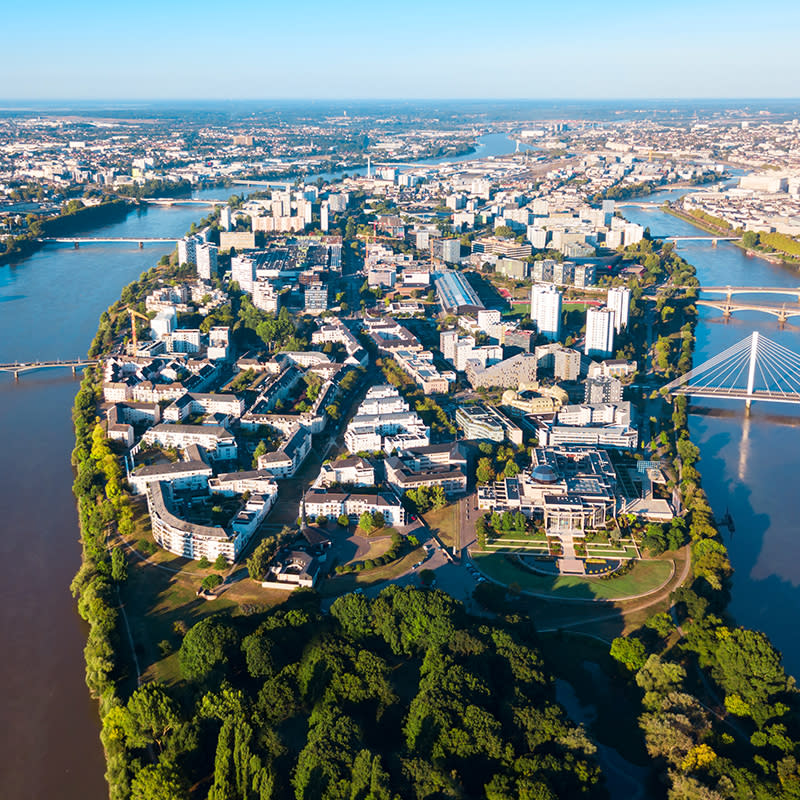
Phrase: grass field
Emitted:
{"points": [[443, 522], [341, 584], [646, 576]]}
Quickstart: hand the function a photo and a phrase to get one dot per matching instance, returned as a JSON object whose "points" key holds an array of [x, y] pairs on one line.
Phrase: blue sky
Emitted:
{"points": [[436, 49]]}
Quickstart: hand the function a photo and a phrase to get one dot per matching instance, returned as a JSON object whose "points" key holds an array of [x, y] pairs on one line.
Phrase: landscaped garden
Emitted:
{"points": [[644, 577]]}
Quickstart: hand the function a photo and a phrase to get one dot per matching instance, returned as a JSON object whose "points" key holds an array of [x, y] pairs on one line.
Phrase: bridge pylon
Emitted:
{"points": [[755, 368]]}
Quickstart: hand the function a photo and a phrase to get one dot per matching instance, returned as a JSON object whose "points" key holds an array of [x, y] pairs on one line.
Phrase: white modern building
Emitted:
{"points": [[619, 301], [599, 332], [546, 310], [206, 259], [334, 504]]}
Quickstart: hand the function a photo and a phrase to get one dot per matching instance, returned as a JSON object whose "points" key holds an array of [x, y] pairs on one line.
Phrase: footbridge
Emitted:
{"points": [[755, 368], [26, 366], [77, 241]]}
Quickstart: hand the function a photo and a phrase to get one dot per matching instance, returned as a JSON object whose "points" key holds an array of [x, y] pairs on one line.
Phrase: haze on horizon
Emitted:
{"points": [[87, 50]]}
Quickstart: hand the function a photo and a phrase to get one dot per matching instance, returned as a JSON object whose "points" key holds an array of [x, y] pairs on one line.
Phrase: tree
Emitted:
{"points": [[749, 666], [221, 563], [161, 781], [258, 651], [750, 239], [211, 582], [378, 520], [261, 449], [151, 715], [484, 472], [343, 520], [661, 623], [511, 469], [427, 577], [366, 522], [203, 563], [438, 497], [119, 565], [630, 652], [206, 645], [321, 519]]}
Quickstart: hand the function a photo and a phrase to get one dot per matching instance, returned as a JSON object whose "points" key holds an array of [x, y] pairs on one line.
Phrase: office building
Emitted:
{"points": [[572, 490], [602, 389], [316, 297], [546, 310], [509, 373], [448, 250], [619, 301], [486, 422], [599, 332]]}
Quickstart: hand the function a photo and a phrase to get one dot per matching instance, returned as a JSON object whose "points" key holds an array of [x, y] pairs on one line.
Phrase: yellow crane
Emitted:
{"points": [[133, 313]]}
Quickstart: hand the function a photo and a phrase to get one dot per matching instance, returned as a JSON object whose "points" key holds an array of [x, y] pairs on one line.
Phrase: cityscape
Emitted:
{"points": [[395, 448]]}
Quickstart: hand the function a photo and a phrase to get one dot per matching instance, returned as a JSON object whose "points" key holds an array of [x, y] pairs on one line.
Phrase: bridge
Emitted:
{"points": [[755, 368], [77, 241], [729, 291], [713, 239], [26, 366], [727, 307], [180, 201]]}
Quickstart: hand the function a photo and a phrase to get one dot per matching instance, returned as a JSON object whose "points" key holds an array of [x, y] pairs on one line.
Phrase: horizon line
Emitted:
{"points": [[626, 98]]}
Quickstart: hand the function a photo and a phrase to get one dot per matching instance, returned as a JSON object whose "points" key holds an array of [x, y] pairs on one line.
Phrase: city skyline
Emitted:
{"points": [[453, 51]]}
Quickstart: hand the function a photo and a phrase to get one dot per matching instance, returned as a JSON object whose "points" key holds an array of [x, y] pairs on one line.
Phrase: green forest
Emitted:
{"points": [[401, 696]]}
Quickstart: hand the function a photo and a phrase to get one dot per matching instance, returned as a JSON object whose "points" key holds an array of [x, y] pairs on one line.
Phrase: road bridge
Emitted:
{"points": [[182, 201], [77, 241], [713, 239], [26, 366], [731, 291], [755, 368], [728, 308]]}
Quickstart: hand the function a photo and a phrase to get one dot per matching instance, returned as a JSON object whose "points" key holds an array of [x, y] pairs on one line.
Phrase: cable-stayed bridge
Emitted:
{"points": [[754, 369]]}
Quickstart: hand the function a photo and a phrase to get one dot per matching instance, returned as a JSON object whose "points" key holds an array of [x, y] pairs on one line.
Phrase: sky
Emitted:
{"points": [[173, 49]]}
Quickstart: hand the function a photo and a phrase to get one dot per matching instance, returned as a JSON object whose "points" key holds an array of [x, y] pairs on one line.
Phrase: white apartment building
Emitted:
{"points": [[218, 442], [334, 504], [206, 260], [546, 310], [243, 271], [599, 332], [619, 301]]}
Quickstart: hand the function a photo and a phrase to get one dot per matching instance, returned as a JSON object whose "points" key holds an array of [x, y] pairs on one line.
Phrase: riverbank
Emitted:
{"points": [[66, 223], [774, 257]]}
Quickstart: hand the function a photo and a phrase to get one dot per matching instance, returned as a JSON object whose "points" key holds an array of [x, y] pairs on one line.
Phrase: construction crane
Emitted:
{"points": [[133, 313]]}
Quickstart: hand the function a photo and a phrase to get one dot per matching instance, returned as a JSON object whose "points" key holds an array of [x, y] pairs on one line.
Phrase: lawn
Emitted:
{"points": [[646, 576], [341, 584], [443, 523]]}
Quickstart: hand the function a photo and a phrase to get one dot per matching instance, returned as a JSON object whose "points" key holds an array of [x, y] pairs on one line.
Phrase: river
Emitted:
{"points": [[49, 308], [747, 462]]}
